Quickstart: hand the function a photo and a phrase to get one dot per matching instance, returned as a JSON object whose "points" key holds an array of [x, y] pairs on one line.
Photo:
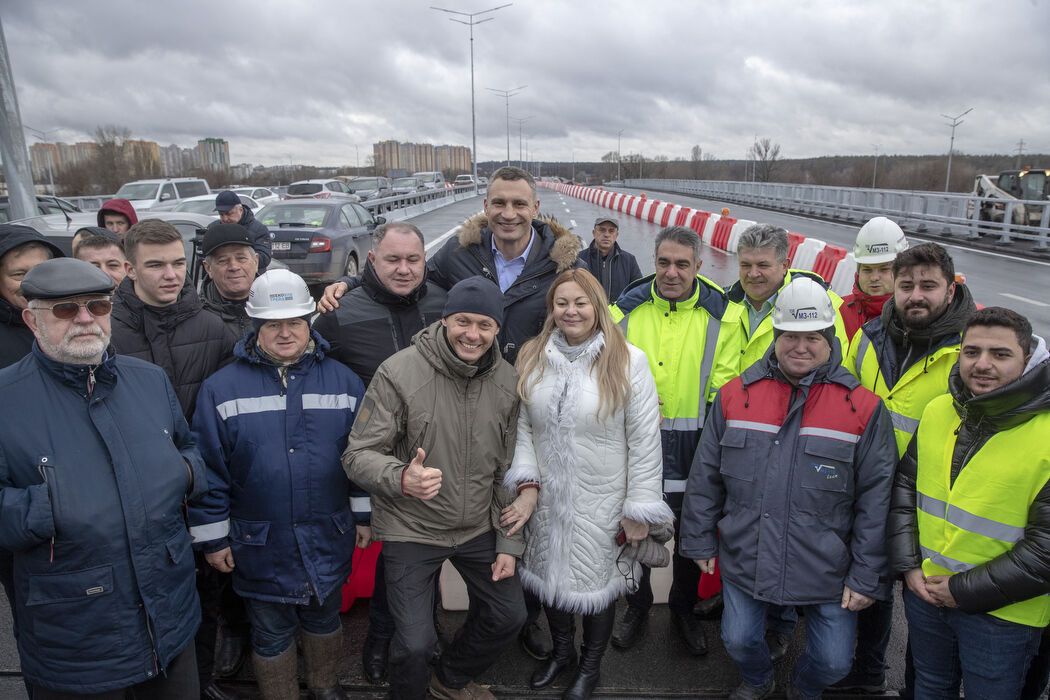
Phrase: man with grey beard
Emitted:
{"points": [[96, 462]]}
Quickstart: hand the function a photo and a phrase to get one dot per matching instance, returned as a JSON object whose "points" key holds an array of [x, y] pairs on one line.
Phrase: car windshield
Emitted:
{"points": [[405, 182], [142, 190], [247, 191], [365, 184], [199, 206], [293, 215], [305, 188]]}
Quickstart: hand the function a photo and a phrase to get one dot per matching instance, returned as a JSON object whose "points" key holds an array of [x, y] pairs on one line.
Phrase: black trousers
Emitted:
{"points": [[497, 612], [177, 682], [218, 599], [874, 625], [685, 578]]}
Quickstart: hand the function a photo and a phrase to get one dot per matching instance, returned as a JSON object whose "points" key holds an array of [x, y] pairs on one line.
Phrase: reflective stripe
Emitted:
{"points": [[674, 485], [623, 324], [862, 349], [710, 343], [931, 506], [329, 401], [752, 425], [683, 424], [361, 504], [829, 433], [211, 531], [904, 423], [946, 562], [968, 521], [257, 404]]}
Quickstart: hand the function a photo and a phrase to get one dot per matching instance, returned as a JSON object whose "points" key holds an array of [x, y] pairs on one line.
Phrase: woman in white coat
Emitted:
{"points": [[588, 458]]}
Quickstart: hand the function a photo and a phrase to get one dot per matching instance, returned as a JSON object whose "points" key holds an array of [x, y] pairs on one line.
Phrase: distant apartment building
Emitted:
{"points": [[44, 160], [241, 172], [393, 156], [143, 157], [171, 160], [214, 154], [452, 159]]}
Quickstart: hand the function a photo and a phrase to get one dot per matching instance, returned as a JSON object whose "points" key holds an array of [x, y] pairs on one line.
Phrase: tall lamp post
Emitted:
{"points": [[506, 95], [618, 158], [521, 121], [470, 22], [952, 122], [875, 170]]}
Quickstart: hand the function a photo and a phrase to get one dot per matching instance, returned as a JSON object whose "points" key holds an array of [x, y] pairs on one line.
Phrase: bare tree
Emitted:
{"points": [[765, 154], [695, 156], [111, 168]]}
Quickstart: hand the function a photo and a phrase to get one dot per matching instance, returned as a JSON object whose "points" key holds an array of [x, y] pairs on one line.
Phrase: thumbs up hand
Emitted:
{"points": [[420, 481]]}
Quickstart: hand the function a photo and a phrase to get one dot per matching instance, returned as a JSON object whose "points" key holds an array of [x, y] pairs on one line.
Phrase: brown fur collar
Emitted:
{"points": [[564, 252]]}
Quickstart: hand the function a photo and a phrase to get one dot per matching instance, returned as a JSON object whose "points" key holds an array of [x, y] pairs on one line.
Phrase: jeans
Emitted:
{"points": [[830, 633], [177, 682], [988, 655], [874, 625], [685, 578], [274, 624], [497, 613]]}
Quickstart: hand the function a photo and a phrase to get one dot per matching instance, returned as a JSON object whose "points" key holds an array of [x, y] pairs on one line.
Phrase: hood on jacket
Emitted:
{"points": [[948, 325], [564, 249], [1011, 404], [711, 296], [736, 294], [831, 371], [871, 304], [130, 309], [246, 349], [15, 235], [119, 206], [433, 344], [381, 295]]}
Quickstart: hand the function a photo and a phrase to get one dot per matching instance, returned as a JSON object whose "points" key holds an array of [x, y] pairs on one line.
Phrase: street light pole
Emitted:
{"points": [[473, 115], [506, 95], [875, 170], [618, 158], [952, 122], [521, 121], [42, 137]]}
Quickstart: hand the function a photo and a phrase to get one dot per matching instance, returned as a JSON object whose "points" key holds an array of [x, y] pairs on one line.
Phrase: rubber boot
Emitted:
{"points": [[322, 654], [563, 649], [276, 675], [597, 629]]}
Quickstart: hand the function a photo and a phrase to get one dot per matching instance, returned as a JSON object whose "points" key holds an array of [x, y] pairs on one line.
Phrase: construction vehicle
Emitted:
{"points": [[1027, 185]]}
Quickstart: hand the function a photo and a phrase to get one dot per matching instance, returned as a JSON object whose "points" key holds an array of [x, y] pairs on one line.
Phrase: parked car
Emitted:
{"points": [[370, 187], [407, 185], [45, 204], [146, 194], [433, 180], [463, 180], [321, 239], [206, 205], [320, 189], [262, 195]]}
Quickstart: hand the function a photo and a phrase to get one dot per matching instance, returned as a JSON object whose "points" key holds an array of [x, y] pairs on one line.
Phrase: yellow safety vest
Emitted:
{"points": [[921, 382], [985, 512]]}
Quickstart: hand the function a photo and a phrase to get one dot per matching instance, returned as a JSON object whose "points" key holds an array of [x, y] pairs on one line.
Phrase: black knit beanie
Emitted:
{"points": [[475, 295]]}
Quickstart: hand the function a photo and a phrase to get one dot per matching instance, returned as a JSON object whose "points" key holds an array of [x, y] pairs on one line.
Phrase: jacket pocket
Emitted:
{"points": [[740, 460], [74, 613], [827, 475], [250, 533], [253, 560], [343, 521]]}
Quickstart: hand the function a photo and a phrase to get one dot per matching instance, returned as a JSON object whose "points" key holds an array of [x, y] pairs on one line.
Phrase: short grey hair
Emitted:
{"points": [[680, 235], [380, 232], [765, 236]]}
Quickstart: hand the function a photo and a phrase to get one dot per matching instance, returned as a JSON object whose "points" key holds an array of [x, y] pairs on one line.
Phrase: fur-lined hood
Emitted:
{"points": [[564, 250]]}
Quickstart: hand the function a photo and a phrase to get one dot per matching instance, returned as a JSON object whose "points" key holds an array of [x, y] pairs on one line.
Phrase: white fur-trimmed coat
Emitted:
{"points": [[592, 473]]}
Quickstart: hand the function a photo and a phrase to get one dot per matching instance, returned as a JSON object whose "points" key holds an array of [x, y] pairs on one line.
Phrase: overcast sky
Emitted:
{"points": [[307, 81]]}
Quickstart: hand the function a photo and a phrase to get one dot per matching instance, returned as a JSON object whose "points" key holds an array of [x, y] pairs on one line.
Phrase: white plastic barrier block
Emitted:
{"points": [[845, 271], [709, 228], [806, 255], [615, 202], [661, 207], [633, 207], [734, 235], [643, 213], [672, 215]]}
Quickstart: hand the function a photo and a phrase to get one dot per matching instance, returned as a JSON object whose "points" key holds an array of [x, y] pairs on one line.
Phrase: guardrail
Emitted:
{"points": [[938, 213]]}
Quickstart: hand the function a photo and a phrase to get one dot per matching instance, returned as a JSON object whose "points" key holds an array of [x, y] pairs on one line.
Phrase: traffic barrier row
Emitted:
{"points": [[833, 263]]}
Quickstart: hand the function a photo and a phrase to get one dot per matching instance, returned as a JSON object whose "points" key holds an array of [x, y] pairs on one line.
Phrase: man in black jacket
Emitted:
{"points": [[21, 249], [231, 211], [375, 320], [231, 264], [610, 264], [969, 525]]}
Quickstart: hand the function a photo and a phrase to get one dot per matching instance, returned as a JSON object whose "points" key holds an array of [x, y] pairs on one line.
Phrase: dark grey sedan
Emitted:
{"points": [[320, 240]]}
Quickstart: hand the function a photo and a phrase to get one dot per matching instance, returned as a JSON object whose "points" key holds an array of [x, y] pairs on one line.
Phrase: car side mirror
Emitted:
{"points": [[165, 197], [379, 220]]}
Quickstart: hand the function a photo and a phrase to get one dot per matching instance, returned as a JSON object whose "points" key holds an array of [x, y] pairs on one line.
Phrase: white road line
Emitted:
{"points": [[441, 239], [1024, 299], [566, 210], [572, 223]]}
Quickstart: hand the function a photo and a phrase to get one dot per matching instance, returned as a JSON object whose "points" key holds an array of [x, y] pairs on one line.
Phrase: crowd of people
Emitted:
{"points": [[186, 471]]}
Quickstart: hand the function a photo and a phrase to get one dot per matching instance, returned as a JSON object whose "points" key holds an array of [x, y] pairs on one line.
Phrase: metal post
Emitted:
{"points": [[618, 158], [952, 122], [875, 170], [17, 172], [506, 95]]}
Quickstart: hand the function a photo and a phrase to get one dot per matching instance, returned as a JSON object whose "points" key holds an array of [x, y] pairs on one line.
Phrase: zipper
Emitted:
{"points": [[43, 475], [152, 641]]}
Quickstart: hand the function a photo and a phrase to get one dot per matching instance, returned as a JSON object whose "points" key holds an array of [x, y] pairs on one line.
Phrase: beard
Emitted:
{"points": [[926, 321], [83, 350]]}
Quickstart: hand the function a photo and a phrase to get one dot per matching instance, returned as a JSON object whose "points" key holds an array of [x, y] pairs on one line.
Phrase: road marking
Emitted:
{"points": [[572, 223], [1024, 299], [566, 210], [441, 239]]}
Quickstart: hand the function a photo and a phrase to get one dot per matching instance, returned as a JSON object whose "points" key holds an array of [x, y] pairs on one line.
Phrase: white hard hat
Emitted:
{"points": [[279, 294], [803, 305], [879, 241]]}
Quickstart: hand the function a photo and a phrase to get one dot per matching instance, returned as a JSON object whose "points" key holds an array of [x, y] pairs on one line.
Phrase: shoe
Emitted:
{"points": [[472, 691], [322, 655], [212, 691], [563, 652], [630, 628], [276, 675], [862, 683], [778, 645], [232, 653], [534, 641], [710, 608], [746, 691], [596, 632], [374, 657], [793, 693], [691, 631]]}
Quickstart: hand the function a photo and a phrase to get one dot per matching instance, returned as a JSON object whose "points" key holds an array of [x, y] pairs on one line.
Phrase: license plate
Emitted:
{"points": [[281, 245]]}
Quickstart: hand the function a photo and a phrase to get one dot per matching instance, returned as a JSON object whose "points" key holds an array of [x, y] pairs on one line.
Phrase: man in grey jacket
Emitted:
{"points": [[789, 491], [435, 480]]}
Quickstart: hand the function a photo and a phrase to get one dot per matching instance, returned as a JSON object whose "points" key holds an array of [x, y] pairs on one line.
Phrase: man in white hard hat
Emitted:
{"points": [[272, 427], [878, 243], [790, 490]]}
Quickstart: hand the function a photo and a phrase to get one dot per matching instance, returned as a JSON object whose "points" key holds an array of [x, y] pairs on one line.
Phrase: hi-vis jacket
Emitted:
{"points": [[691, 354], [752, 347]]}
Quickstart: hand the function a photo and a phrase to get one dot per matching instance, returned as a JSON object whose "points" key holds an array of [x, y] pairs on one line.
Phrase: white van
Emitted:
{"points": [[147, 194], [432, 180]]}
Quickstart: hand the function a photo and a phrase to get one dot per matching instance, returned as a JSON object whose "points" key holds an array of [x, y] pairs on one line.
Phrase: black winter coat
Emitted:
{"points": [[372, 323], [187, 342], [1016, 575], [524, 303], [232, 313], [261, 239], [614, 272], [16, 340]]}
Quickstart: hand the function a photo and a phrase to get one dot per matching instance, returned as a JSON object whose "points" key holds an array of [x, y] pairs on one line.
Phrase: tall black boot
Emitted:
{"points": [[597, 629], [563, 652]]}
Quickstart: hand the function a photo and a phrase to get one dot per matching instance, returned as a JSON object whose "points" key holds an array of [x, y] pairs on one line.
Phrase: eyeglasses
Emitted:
{"points": [[67, 310]]}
